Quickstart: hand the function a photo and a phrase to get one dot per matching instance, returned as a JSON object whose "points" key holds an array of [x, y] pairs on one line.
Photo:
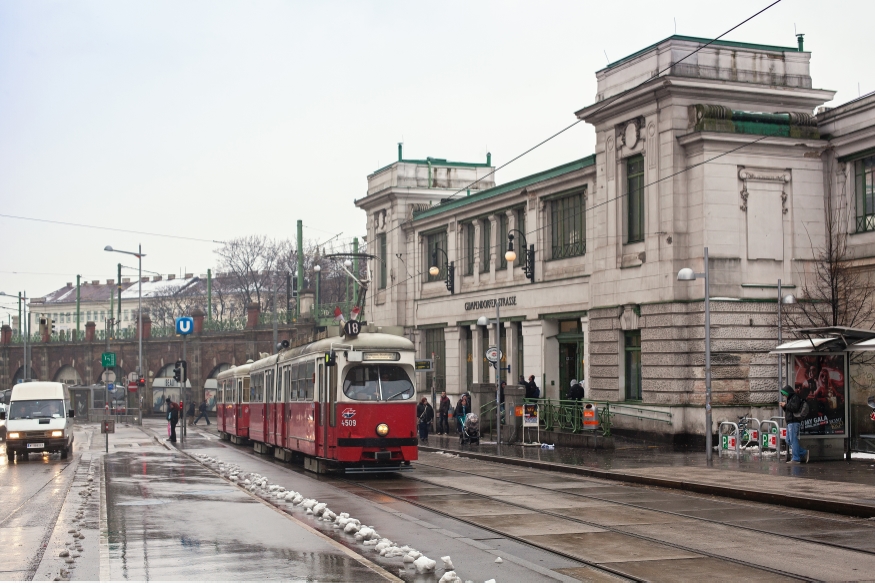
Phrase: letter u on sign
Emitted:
{"points": [[184, 325]]}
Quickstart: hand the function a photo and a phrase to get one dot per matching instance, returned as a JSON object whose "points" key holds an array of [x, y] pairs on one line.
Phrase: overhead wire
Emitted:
{"points": [[116, 229]]}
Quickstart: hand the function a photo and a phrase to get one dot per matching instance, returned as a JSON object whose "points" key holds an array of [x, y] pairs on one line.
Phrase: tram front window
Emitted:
{"points": [[377, 383]]}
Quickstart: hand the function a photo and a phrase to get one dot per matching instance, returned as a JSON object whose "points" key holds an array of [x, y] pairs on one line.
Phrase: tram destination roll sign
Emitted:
{"points": [[486, 304]]}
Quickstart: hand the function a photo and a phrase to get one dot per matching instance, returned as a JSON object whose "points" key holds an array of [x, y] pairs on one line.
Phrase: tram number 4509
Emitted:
{"points": [[347, 422]]}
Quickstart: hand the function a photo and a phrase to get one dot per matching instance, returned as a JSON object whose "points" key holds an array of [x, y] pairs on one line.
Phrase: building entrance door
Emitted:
{"points": [[570, 365]]}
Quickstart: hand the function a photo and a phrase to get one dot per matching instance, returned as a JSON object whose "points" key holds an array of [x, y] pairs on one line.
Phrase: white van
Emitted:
{"points": [[39, 418]]}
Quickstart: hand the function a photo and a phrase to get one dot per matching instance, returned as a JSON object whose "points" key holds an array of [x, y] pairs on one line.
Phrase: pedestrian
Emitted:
{"points": [[172, 417], [189, 413], [532, 390], [795, 410], [425, 413], [575, 393], [203, 412], [463, 407], [443, 427]]}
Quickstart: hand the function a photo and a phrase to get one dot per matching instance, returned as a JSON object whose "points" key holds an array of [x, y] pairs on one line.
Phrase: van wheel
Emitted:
{"points": [[10, 455]]}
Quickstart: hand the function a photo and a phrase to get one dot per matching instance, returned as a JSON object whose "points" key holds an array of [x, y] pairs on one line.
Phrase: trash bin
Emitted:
{"points": [[590, 416]]}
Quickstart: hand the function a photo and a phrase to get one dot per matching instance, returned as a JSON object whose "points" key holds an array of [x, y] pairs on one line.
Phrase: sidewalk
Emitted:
{"points": [[839, 487]]}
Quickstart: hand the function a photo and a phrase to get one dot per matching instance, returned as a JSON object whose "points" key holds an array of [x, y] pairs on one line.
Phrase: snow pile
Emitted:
{"points": [[367, 535]]}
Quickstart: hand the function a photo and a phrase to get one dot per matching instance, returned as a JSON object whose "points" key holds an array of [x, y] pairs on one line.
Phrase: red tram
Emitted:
{"points": [[340, 403]]}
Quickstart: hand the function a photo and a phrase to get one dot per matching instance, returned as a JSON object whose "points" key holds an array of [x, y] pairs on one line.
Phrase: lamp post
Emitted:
{"points": [[510, 254], [782, 299], [139, 255], [435, 270], [318, 269], [484, 321], [687, 274]]}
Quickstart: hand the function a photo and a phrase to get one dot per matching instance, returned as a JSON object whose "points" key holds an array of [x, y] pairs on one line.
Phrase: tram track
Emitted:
{"points": [[591, 564], [678, 514]]}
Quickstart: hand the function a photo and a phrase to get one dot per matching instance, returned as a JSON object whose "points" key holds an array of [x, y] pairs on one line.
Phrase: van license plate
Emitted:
{"points": [[35, 445]]}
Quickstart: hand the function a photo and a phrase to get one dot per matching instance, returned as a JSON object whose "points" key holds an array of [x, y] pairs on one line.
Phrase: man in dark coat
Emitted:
{"points": [[443, 427], [795, 410], [425, 413], [173, 417], [575, 393], [532, 390]]}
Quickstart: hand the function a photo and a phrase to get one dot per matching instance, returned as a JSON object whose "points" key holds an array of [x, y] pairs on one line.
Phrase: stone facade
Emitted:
{"points": [[720, 149]]}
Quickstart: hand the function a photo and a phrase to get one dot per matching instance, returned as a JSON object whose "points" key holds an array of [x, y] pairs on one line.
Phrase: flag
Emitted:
{"points": [[338, 315], [355, 313]]}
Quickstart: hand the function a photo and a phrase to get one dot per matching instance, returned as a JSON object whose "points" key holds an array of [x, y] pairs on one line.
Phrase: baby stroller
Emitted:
{"points": [[470, 429]]}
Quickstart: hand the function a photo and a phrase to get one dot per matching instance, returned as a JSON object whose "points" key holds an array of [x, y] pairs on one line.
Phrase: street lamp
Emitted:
{"points": [[139, 255], [789, 299], [687, 274], [435, 270], [510, 254], [317, 268], [484, 321]]}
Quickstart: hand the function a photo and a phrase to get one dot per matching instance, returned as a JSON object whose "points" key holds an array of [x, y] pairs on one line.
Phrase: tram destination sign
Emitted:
{"points": [[423, 365], [486, 304]]}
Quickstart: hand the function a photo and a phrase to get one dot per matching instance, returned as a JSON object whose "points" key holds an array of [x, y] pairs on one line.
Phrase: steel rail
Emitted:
{"points": [[677, 514], [580, 521]]}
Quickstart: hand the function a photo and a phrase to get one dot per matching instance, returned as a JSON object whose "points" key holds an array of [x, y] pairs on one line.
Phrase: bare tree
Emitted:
{"points": [[835, 292]]}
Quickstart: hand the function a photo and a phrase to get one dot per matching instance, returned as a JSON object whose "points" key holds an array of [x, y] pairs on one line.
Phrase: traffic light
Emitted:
{"points": [[184, 371], [177, 371], [330, 358], [141, 382], [53, 326]]}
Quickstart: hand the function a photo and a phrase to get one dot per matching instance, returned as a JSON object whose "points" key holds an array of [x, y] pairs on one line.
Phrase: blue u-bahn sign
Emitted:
{"points": [[184, 325]]}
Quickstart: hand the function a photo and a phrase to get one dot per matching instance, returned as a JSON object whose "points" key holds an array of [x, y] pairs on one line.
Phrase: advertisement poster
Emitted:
{"points": [[819, 379], [530, 415], [210, 396]]}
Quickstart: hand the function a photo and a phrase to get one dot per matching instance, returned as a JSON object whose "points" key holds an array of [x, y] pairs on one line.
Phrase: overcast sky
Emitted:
{"points": [[216, 119]]}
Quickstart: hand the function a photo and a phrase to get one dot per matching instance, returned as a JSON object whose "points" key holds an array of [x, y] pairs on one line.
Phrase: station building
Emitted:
{"points": [[728, 148]]}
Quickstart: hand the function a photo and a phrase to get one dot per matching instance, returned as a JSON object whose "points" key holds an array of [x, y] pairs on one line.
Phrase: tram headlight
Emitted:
{"points": [[382, 430]]}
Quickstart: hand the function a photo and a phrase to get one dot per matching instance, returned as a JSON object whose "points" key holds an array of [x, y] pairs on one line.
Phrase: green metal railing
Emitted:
{"points": [[559, 415], [226, 325]]}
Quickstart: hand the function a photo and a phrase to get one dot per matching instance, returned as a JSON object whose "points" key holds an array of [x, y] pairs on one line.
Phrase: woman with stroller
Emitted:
{"points": [[425, 413], [463, 407]]}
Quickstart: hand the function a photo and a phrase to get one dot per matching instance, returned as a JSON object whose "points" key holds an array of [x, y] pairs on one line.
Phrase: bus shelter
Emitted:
{"points": [[833, 370]]}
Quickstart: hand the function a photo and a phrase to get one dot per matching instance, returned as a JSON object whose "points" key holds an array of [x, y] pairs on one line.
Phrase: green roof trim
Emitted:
{"points": [[504, 188], [721, 43]]}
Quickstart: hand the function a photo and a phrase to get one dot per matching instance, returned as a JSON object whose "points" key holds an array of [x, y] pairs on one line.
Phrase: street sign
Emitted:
{"points": [[107, 427], [132, 386], [184, 325], [107, 360], [108, 376], [110, 387], [424, 365], [352, 328], [493, 354]]}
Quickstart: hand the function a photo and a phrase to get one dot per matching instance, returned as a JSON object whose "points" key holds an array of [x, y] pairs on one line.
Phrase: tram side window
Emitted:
{"points": [[256, 392], [309, 380], [220, 393], [287, 383], [246, 391], [377, 383]]}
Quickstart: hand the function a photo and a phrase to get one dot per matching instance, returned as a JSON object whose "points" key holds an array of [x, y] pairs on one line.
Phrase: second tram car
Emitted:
{"points": [[340, 403]]}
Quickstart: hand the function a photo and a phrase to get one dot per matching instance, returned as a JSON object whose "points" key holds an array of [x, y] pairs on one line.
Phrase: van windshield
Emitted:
{"points": [[386, 382], [52, 408]]}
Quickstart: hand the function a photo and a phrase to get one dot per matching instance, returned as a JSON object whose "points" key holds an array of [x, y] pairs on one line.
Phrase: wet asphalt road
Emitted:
{"points": [[33, 493]]}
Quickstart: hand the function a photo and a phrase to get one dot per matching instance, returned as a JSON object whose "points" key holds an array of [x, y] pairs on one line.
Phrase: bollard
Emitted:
{"points": [[728, 440]]}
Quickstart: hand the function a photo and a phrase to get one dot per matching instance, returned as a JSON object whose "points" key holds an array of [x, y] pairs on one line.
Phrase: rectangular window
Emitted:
{"points": [[485, 245], [520, 215], [520, 353], [435, 344], [568, 226], [633, 365], [635, 196], [438, 240], [502, 240], [470, 246], [383, 265], [864, 189]]}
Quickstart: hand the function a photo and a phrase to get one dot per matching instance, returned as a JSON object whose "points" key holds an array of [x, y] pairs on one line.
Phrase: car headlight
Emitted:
{"points": [[13, 435], [382, 430], [57, 434]]}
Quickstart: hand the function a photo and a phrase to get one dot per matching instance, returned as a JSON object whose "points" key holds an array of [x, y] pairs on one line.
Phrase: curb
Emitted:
{"points": [[806, 503]]}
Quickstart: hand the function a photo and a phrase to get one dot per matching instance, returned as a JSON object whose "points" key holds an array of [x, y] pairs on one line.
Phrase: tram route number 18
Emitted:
{"points": [[352, 328], [347, 422]]}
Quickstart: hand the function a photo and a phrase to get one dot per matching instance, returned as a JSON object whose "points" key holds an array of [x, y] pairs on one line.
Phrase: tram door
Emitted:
{"points": [[323, 405]]}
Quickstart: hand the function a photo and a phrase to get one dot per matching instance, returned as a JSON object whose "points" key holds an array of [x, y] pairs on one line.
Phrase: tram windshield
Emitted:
{"points": [[386, 382]]}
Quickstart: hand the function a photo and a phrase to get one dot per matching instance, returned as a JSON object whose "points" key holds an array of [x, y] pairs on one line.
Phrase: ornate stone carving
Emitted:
{"points": [[763, 175]]}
